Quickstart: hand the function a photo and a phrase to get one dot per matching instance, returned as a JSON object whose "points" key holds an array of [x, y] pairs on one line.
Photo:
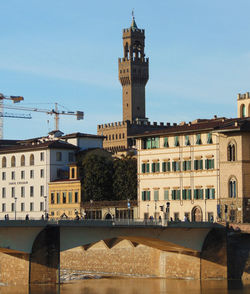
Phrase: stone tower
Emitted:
{"points": [[133, 74]]}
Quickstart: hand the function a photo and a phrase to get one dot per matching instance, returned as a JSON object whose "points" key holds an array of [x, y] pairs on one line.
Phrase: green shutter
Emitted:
{"points": [[166, 142], [178, 194], [148, 168], [213, 193], [201, 193], [156, 195], [184, 194], [70, 197], [142, 196], [206, 164], [166, 194], [206, 192], [173, 195], [168, 165], [189, 194], [157, 166], [201, 164], [148, 195], [143, 168], [212, 163], [195, 193]]}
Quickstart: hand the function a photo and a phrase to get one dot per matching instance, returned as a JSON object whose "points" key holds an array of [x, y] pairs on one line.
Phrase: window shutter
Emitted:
{"points": [[213, 193], [148, 167], [168, 165], [164, 166], [233, 153], [228, 153], [173, 195], [212, 163], [206, 164], [189, 194], [178, 194], [201, 164], [206, 193], [143, 168], [142, 196], [166, 194], [201, 193], [184, 165], [157, 166]]}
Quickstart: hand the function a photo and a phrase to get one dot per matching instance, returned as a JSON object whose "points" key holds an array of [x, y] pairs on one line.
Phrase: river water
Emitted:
{"points": [[134, 286]]}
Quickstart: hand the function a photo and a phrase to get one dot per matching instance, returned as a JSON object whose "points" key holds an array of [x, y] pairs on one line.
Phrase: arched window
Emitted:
{"points": [[232, 188], [13, 161], [243, 111], [22, 160], [4, 162], [231, 152], [32, 159]]}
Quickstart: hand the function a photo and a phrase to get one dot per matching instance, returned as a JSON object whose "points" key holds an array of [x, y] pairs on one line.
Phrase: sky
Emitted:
{"points": [[67, 51]]}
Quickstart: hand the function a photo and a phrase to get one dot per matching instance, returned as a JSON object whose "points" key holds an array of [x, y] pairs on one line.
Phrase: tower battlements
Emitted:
{"points": [[243, 96]]}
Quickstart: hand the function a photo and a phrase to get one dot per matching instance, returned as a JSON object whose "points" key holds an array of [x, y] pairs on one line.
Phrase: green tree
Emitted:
{"points": [[97, 175], [125, 178]]}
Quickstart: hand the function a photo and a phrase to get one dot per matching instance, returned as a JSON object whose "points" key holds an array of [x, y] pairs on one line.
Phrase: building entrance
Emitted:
{"points": [[197, 214]]}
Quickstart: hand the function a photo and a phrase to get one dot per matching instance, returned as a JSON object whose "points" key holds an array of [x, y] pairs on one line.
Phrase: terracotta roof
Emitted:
{"points": [[217, 124], [81, 135], [46, 145]]}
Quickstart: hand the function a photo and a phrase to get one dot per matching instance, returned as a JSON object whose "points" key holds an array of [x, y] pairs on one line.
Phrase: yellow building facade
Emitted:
{"points": [[65, 196], [197, 171]]}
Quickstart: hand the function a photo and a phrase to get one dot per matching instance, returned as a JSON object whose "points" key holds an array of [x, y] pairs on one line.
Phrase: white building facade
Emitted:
{"points": [[26, 169]]}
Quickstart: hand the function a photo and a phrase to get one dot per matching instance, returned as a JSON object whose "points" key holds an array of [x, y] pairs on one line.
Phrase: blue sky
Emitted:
{"points": [[67, 51]]}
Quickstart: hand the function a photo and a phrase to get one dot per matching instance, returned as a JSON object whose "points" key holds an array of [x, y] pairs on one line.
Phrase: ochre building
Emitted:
{"points": [[197, 171]]}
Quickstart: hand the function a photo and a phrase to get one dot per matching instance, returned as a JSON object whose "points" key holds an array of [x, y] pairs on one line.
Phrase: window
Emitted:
{"points": [[3, 207], [22, 191], [41, 190], [198, 194], [73, 173], [176, 141], [41, 173], [76, 197], [186, 165], [4, 162], [156, 195], [243, 111], [64, 197], [32, 174], [31, 206], [3, 192], [198, 164], [143, 168], [12, 207], [22, 174], [32, 159], [22, 160], [70, 197], [186, 194], [209, 138], [232, 188], [155, 167], [176, 194], [176, 216], [187, 142], [209, 164], [146, 195], [31, 191], [58, 198], [52, 198], [13, 192], [176, 166], [13, 175], [41, 206], [166, 194], [210, 193], [22, 206], [41, 156], [198, 139], [166, 166], [231, 154], [151, 143], [165, 144], [71, 155], [58, 156], [13, 161], [3, 176]]}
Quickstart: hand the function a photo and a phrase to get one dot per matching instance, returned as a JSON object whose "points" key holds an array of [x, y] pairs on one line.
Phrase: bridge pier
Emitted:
{"points": [[45, 257]]}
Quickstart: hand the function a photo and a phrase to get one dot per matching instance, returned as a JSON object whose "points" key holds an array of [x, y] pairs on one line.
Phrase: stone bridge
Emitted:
{"points": [[36, 245]]}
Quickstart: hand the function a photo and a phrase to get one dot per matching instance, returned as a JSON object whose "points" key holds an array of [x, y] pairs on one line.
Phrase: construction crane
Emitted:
{"points": [[79, 114], [14, 99]]}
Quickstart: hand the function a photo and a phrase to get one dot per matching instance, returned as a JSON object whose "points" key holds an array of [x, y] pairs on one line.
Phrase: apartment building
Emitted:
{"points": [[195, 171]]}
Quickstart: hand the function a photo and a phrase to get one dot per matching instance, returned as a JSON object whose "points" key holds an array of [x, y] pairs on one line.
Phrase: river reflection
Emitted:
{"points": [[134, 286]]}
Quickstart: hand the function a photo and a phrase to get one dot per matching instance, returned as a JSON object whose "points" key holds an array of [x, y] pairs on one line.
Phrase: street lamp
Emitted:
{"points": [[128, 210], [15, 206]]}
